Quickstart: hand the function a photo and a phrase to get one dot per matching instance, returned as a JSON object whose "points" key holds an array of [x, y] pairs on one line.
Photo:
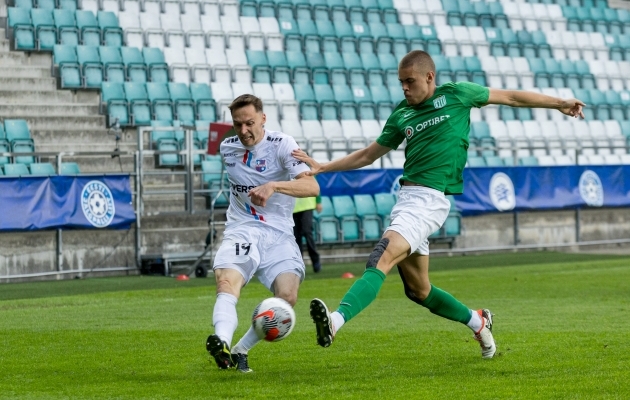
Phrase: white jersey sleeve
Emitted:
{"points": [[249, 167]]}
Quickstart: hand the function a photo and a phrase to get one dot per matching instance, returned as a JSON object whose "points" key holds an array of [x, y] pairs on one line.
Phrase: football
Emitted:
{"points": [[273, 319]]}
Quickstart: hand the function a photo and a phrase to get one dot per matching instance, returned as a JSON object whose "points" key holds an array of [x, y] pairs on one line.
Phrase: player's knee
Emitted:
{"points": [[226, 286], [288, 296], [377, 253], [416, 294]]}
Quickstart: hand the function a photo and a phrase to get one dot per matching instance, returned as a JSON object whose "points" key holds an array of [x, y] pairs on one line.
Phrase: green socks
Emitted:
{"points": [[362, 293], [445, 305]]}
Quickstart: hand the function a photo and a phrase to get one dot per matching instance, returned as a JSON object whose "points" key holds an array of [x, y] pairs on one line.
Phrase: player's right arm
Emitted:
{"points": [[522, 98], [354, 160]]}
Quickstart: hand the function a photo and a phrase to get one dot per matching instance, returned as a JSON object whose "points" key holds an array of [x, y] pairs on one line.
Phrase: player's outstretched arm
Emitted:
{"points": [[354, 160], [302, 186], [522, 98]]}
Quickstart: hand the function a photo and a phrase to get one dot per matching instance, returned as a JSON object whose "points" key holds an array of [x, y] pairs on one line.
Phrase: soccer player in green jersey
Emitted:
{"points": [[435, 120]]}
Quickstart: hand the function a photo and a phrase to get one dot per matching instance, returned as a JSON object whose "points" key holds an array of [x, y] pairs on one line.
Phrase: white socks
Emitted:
{"points": [[224, 317], [337, 321], [247, 342], [476, 322]]}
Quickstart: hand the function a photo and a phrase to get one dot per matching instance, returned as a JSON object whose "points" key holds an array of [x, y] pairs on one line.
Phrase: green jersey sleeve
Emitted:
{"points": [[392, 136], [471, 94]]}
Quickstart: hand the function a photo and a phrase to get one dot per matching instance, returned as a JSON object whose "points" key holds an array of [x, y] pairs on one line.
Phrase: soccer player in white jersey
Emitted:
{"points": [[258, 240]]}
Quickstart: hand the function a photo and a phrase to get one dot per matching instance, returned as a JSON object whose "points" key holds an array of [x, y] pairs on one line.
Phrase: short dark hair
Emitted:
{"points": [[419, 58], [245, 100]]}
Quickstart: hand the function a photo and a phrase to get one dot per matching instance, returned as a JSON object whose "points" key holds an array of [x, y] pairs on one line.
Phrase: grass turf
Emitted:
{"points": [[562, 328]]}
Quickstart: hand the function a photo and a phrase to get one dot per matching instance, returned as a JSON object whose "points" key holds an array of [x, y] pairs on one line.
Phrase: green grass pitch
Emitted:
{"points": [[562, 327]]}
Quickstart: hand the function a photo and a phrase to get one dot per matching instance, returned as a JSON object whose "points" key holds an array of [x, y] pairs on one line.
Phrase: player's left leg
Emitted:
{"points": [[414, 272], [281, 270]]}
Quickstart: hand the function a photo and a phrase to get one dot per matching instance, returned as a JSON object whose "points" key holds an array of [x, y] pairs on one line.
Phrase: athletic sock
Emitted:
{"points": [[445, 305], [476, 321], [248, 341], [224, 316], [361, 293], [337, 320]]}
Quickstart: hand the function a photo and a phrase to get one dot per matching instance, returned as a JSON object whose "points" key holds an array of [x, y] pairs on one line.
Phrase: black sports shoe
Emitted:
{"points": [[241, 363], [323, 323], [220, 351]]}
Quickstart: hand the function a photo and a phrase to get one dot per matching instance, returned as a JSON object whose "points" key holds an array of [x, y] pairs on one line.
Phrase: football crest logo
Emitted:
{"points": [[409, 132], [439, 102], [261, 165], [591, 189], [97, 204], [501, 192]]}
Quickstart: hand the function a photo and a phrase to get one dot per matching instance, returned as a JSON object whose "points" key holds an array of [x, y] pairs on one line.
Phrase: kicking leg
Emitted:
{"points": [[414, 272], [285, 286], [391, 249], [224, 318]]}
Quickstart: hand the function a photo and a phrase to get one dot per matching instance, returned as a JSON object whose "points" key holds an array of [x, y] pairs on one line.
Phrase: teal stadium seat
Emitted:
{"points": [[114, 103], [70, 168], [89, 28], [42, 169], [156, 65], [136, 70], [113, 67], [66, 61], [370, 220], [183, 103], [16, 130], [327, 224], [452, 225], [19, 20], [70, 5], [46, 5], [139, 104], [384, 204], [212, 177], [91, 66], [25, 4], [160, 98], [45, 31], [111, 32], [67, 30], [165, 141], [205, 106], [16, 170]]}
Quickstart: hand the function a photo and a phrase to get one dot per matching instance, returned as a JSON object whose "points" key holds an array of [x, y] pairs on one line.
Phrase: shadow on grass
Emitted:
{"points": [[31, 290]]}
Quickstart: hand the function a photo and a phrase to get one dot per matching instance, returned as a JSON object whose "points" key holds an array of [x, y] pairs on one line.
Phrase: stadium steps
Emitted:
{"points": [[174, 234], [49, 110], [36, 84], [24, 71], [47, 96], [62, 122]]}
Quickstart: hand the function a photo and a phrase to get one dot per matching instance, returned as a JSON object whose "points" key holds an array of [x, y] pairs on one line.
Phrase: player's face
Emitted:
{"points": [[416, 85], [248, 124]]}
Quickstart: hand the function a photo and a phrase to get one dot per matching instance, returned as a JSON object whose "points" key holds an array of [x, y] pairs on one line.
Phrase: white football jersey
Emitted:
{"points": [[252, 166]]}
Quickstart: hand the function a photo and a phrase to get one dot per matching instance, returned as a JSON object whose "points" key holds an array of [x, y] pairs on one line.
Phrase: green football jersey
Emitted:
{"points": [[437, 135]]}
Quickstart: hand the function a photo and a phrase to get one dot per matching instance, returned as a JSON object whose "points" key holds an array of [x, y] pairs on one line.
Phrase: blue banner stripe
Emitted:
{"points": [[66, 202], [505, 188]]}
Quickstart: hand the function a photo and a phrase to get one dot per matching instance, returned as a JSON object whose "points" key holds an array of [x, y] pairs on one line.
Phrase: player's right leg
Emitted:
{"points": [[391, 249], [224, 317], [414, 273]]}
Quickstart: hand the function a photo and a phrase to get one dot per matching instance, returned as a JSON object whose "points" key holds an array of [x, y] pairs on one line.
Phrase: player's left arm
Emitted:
{"points": [[302, 186], [522, 98]]}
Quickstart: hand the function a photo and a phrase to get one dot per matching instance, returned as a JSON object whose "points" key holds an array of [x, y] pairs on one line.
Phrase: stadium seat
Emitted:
{"points": [[204, 104], [327, 224], [42, 169], [112, 34], [160, 98], [370, 220], [113, 67], [66, 25], [183, 104], [91, 66], [16, 170], [45, 31], [70, 168], [19, 19], [384, 204], [157, 67], [88, 27], [114, 103], [16, 130], [139, 104]]}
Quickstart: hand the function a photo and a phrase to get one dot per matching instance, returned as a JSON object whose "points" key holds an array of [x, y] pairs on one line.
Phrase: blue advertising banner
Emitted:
{"points": [[506, 188], [66, 202]]}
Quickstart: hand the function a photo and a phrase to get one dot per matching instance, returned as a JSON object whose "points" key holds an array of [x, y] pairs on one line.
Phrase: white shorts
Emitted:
{"points": [[259, 250], [418, 213]]}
